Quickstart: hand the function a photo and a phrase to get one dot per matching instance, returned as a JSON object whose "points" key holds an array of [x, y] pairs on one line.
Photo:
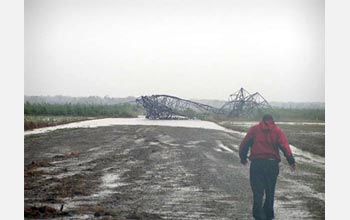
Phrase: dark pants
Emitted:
{"points": [[263, 177]]}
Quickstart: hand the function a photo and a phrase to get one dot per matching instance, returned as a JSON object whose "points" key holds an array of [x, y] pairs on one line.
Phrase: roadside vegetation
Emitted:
{"points": [[88, 110], [295, 115], [290, 114], [37, 115], [280, 114]]}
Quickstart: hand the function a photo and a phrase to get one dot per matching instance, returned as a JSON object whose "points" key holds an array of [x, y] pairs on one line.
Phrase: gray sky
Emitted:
{"points": [[187, 48]]}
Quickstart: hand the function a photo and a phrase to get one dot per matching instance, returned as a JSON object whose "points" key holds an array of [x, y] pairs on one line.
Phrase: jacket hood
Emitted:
{"points": [[267, 126]]}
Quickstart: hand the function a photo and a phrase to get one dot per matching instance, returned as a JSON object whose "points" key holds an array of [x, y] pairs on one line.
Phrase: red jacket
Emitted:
{"points": [[264, 140]]}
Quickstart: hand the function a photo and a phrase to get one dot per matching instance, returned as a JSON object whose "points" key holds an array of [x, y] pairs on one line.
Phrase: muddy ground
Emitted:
{"points": [[154, 172]]}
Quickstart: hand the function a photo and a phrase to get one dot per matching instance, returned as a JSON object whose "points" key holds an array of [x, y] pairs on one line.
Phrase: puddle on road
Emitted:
{"points": [[223, 148], [308, 157], [168, 140], [109, 185], [111, 180], [195, 142], [140, 141]]}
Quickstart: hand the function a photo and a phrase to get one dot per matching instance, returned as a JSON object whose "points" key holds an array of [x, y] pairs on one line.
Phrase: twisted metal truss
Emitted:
{"points": [[243, 104], [169, 107], [240, 104]]}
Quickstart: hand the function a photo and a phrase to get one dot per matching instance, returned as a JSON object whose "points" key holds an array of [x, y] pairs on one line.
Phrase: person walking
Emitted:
{"points": [[264, 141]]}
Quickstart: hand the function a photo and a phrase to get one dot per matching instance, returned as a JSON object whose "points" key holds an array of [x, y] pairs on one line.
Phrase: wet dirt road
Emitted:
{"points": [[155, 172]]}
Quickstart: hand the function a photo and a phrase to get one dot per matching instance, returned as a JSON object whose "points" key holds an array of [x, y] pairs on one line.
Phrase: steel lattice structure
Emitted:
{"points": [[240, 104], [168, 107]]}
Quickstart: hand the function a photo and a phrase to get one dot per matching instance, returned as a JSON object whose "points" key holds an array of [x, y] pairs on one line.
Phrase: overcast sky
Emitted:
{"points": [[187, 48]]}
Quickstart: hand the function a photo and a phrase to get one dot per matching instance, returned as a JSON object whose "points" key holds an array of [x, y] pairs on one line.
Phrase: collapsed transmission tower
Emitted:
{"points": [[240, 104], [169, 107], [243, 104]]}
